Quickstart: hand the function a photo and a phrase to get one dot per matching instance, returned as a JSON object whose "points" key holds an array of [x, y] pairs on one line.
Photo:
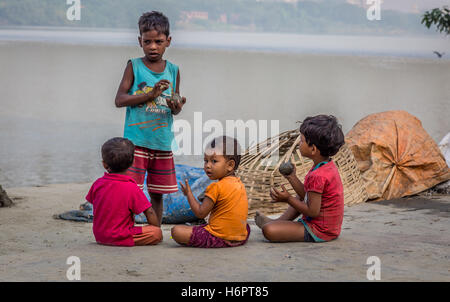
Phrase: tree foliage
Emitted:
{"points": [[439, 17]]}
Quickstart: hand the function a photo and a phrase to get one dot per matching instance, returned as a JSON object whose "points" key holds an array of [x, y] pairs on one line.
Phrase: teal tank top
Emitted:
{"points": [[150, 125]]}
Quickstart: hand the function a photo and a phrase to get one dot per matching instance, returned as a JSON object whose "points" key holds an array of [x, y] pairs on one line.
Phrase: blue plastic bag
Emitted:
{"points": [[176, 208]]}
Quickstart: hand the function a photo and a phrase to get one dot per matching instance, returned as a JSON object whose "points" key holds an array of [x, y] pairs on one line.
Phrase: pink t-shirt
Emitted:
{"points": [[326, 181], [116, 199]]}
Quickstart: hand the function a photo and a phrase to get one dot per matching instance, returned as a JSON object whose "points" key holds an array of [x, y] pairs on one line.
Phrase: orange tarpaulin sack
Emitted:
{"points": [[395, 155]]}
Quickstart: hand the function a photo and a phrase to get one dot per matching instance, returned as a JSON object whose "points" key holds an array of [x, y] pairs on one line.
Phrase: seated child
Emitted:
{"points": [[225, 199], [321, 198], [116, 198]]}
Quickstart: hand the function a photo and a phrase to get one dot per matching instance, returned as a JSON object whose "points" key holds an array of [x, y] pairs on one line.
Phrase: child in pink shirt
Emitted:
{"points": [[320, 199], [116, 198]]}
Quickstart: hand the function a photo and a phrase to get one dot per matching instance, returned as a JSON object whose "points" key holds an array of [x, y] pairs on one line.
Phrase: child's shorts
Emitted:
{"points": [[202, 238], [309, 235], [150, 235], [161, 177]]}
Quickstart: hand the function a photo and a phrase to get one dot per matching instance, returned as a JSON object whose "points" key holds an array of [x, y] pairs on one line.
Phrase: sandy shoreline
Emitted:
{"points": [[410, 236]]}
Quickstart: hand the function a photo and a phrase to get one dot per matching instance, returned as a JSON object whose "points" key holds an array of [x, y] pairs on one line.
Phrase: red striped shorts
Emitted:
{"points": [[160, 168]]}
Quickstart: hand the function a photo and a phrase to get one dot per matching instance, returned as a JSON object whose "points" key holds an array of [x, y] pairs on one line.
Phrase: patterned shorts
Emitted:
{"points": [[161, 177], [202, 238]]}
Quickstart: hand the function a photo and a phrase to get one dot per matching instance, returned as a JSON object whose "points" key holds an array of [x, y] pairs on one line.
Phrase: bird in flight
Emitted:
{"points": [[439, 54]]}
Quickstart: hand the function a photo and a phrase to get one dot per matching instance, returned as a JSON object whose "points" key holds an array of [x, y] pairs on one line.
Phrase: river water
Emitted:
{"points": [[58, 89]]}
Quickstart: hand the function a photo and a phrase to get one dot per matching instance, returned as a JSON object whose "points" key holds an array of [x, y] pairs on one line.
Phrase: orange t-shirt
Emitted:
{"points": [[228, 218]]}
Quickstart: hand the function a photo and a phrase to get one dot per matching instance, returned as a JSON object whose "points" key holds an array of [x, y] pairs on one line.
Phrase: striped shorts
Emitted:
{"points": [[160, 168]]}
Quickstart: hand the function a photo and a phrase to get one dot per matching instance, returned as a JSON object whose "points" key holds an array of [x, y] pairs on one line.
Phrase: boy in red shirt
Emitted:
{"points": [[116, 198], [321, 198]]}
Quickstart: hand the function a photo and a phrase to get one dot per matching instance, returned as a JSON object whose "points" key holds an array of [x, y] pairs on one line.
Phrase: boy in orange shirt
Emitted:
{"points": [[225, 199]]}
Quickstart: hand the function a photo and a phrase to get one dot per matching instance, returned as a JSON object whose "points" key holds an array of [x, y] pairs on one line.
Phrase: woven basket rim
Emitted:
{"points": [[259, 178]]}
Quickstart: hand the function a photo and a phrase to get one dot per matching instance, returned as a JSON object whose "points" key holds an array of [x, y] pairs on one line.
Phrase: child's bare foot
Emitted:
{"points": [[261, 219]]}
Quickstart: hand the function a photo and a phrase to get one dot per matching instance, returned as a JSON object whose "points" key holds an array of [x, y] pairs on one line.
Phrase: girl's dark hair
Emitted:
{"points": [[230, 147], [154, 21], [324, 132], [118, 154]]}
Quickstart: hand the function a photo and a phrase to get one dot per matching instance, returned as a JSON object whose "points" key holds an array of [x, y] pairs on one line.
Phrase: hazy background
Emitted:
{"points": [[399, 17], [267, 60]]}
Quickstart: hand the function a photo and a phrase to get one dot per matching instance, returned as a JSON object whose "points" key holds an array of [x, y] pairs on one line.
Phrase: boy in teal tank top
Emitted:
{"points": [[146, 89]]}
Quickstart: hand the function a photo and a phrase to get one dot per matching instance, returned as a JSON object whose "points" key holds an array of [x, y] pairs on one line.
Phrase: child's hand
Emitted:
{"points": [[278, 196], [176, 106], [159, 88], [186, 189]]}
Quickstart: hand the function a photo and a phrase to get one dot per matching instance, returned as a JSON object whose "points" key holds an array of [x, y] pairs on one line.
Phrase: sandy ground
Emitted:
{"points": [[410, 236]]}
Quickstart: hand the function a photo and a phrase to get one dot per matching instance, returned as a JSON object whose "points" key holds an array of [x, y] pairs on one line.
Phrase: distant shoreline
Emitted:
{"points": [[405, 46]]}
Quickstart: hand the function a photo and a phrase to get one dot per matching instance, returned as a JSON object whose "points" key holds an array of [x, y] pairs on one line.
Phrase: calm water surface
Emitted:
{"points": [[58, 88]]}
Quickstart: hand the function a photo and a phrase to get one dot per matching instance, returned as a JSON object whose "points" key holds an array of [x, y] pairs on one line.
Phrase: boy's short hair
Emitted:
{"points": [[154, 21], [324, 132], [118, 154], [230, 148]]}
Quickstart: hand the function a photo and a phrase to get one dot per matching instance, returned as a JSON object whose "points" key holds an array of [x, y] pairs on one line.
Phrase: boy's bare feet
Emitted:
{"points": [[261, 219]]}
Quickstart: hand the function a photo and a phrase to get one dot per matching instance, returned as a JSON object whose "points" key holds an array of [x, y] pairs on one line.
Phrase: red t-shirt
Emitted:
{"points": [[326, 180], [116, 199]]}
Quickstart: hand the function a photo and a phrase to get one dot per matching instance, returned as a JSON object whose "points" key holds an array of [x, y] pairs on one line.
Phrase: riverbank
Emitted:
{"points": [[409, 235]]}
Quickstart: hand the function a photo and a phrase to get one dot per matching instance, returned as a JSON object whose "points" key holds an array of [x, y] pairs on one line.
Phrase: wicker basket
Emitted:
{"points": [[258, 171]]}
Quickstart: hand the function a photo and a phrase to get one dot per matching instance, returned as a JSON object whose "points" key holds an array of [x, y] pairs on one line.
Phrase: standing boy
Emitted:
{"points": [[146, 89]]}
